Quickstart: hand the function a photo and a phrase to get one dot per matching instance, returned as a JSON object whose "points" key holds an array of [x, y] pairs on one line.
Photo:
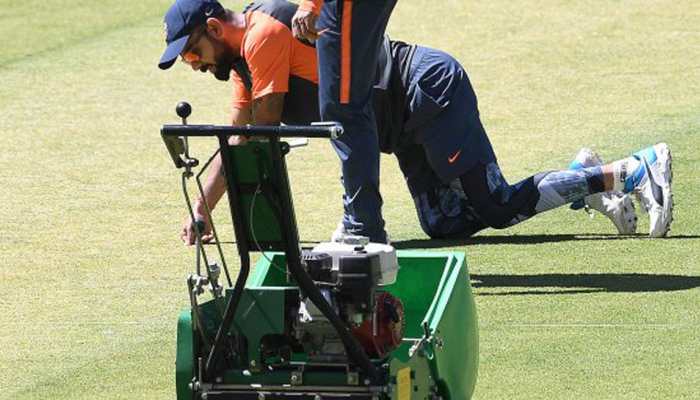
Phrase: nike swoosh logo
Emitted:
{"points": [[454, 157], [351, 199], [656, 190]]}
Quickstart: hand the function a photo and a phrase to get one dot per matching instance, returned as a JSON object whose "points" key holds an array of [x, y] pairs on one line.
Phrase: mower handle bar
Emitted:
{"points": [[326, 130]]}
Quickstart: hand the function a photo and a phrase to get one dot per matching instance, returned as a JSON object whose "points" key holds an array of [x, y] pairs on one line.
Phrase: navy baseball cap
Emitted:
{"points": [[180, 20]]}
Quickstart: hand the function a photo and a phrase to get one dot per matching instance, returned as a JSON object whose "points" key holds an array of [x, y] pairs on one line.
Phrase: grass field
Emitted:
{"points": [[93, 275]]}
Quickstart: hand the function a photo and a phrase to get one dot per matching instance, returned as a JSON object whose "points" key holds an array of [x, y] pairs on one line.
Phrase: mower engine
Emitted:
{"points": [[350, 276]]}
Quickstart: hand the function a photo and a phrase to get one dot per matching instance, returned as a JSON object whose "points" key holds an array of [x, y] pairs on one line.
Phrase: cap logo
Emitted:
{"points": [[209, 11], [165, 30]]}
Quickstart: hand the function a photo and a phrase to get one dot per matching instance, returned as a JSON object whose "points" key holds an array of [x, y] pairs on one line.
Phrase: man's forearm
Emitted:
{"points": [[267, 110], [215, 186]]}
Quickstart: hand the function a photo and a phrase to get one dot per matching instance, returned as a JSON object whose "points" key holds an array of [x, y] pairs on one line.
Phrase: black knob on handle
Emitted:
{"points": [[183, 110]]}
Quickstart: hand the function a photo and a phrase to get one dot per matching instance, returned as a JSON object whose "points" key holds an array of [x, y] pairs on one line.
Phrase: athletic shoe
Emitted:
{"points": [[617, 206], [652, 185], [341, 235]]}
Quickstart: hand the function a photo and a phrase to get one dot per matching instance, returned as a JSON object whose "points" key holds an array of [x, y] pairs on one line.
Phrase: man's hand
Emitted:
{"points": [[237, 140], [188, 234], [304, 25]]}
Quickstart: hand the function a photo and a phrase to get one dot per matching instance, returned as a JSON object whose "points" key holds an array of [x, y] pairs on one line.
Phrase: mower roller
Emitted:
{"points": [[338, 320]]}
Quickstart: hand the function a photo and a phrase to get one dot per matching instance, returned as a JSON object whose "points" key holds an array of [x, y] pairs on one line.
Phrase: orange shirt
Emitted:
{"points": [[273, 56]]}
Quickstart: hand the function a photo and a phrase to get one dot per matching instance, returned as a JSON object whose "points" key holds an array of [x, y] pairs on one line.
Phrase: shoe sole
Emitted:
{"points": [[663, 153]]}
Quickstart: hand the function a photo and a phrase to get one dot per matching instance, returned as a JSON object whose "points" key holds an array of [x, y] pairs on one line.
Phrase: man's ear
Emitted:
{"points": [[215, 28]]}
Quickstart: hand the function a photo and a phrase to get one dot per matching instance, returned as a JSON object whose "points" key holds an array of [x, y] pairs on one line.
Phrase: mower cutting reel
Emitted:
{"points": [[352, 320]]}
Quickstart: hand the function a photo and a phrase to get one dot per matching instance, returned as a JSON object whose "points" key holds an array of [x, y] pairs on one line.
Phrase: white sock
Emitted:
{"points": [[622, 170]]}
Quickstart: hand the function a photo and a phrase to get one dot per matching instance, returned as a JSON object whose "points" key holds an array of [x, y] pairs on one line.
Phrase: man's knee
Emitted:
{"points": [[437, 228], [451, 230], [443, 215], [499, 204]]}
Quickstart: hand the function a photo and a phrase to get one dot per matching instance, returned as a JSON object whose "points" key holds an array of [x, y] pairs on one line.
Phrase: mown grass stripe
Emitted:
{"points": [[4, 64]]}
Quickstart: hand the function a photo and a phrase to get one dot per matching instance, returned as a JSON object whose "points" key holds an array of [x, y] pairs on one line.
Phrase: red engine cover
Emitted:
{"points": [[383, 332]]}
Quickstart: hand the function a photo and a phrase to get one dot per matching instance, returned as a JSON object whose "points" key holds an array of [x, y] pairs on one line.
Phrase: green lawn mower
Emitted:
{"points": [[344, 320]]}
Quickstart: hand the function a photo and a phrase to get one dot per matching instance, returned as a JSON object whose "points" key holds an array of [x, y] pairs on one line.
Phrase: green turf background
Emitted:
{"points": [[92, 274]]}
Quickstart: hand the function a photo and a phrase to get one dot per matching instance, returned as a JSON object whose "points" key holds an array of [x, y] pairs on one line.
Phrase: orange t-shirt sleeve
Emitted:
{"points": [[267, 52], [311, 5], [241, 96]]}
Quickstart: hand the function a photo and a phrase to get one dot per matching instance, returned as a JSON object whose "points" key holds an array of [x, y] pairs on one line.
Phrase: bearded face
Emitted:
{"points": [[208, 54], [223, 60]]}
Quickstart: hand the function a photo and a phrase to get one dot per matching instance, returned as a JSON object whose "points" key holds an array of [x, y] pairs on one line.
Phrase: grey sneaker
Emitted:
{"points": [[654, 188], [341, 235], [617, 206]]}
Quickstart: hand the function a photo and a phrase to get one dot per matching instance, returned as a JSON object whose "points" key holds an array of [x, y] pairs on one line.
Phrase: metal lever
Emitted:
{"points": [[183, 110], [198, 226]]}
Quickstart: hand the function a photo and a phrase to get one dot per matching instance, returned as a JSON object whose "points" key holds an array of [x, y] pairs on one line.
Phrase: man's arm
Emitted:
{"points": [[267, 110], [215, 186]]}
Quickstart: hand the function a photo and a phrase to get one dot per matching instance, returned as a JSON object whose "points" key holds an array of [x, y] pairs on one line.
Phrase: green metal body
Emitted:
{"points": [[184, 359], [434, 288], [438, 358], [440, 314]]}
